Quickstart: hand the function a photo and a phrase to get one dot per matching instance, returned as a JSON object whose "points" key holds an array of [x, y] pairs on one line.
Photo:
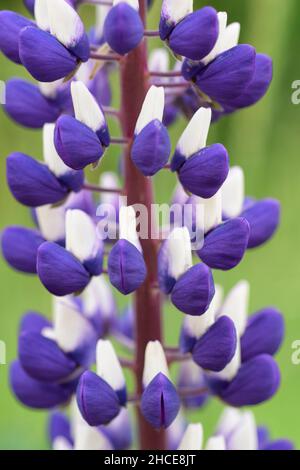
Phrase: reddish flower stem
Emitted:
{"points": [[139, 190]]}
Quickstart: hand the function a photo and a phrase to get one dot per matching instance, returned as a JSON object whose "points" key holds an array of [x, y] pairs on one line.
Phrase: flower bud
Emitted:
{"points": [[263, 217]]}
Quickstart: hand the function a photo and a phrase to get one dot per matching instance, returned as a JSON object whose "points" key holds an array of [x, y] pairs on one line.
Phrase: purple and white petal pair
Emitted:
{"points": [[82, 140], [151, 147]]}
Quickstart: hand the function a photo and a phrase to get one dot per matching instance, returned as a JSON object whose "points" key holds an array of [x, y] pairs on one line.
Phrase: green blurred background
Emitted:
{"points": [[264, 141]]}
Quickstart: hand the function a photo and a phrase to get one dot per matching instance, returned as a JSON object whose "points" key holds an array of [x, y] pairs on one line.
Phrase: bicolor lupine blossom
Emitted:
{"points": [[91, 244]]}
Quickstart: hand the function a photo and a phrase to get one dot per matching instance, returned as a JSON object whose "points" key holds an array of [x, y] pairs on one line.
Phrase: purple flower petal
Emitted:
{"points": [[229, 75], [119, 431], [215, 349], [36, 394], [94, 265], [259, 85], [123, 28], [262, 436], [59, 426], [126, 267], [19, 248], [263, 217], [160, 403], [151, 148], [31, 182], [59, 271], [264, 334], [33, 321], [280, 444], [204, 173], [76, 144], [225, 246], [195, 36], [166, 282], [73, 180], [30, 5], [97, 401], [42, 359], [194, 290], [27, 106], [44, 56], [11, 25], [257, 381], [191, 377], [100, 88]]}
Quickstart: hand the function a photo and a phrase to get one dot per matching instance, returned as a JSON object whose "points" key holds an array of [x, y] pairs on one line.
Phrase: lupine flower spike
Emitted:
{"points": [[99, 246]]}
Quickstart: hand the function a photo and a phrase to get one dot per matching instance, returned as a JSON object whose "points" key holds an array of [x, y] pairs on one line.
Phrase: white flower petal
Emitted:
{"points": [[65, 23], [51, 157], [86, 437], [216, 443], [230, 37], [233, 192], [70, 326], [86, 107], [101, 14], [41, 14], [195, 134], [155, 362], [49, 90], [179, 252], [210, 211], [109, 180], [98, 296], [159, 60], [236, 305], [127, 226], [153, 108], [108, 365], [222, 19], [51, 221], [61, 443], [192, 438], [230, 371], [197, 326], [81, 236], [244, 436], [228, 421], [175, 10]]}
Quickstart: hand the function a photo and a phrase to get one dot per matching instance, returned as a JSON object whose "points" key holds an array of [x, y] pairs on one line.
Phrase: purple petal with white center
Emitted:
{"points": [[11, 25], [59, 271], [19, 248], [44, 56], [194, 290], [76, 144], [59, 426], [195, 36], [42, 359], [215, 349], [97, 401], [264, 334], [151, 148], [123, 28], [31, 182], [280, 444], [225, 246], [94, 265], [27, 106], [256, 381], [229, 75], [204, 172], [36, 394], [34, 322], [160, 403], [259, 85], [263, 217], [126, 267]]}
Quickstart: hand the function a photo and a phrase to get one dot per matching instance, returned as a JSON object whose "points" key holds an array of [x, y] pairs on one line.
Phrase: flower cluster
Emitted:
{"points": [[223, 353]]}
